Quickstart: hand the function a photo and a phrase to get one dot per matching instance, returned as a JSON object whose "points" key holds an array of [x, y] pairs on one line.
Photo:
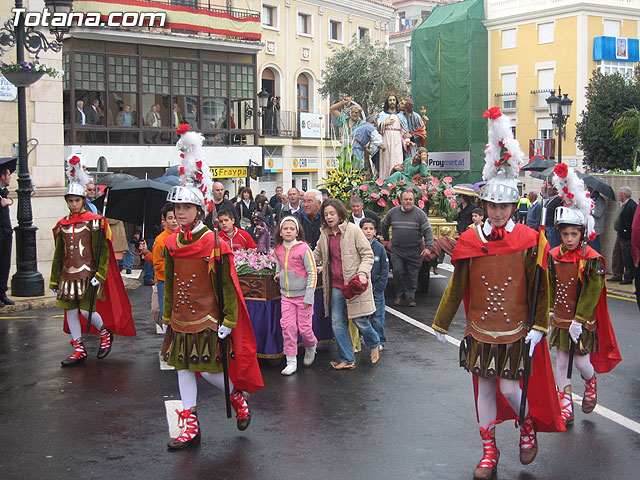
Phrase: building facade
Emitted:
{"points": [[299, 35], [537, 47]]}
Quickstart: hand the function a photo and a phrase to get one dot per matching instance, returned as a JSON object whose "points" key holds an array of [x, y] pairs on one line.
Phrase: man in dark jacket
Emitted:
{"points": [[621, 262], [221, 204], [6, 233], [277, 198], [358, 212], [553, 202], [309, 216]]}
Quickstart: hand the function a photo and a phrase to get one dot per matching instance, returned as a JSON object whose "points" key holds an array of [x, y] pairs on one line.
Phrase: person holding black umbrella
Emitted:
{"points": [[7, 167], [203, 302]]}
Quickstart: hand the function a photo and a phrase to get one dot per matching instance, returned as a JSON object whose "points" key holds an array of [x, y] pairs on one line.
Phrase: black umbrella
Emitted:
{"points": [[10, 162], [137, 201], [539, 165], [114, 179], [543, 175], [597, 185]]}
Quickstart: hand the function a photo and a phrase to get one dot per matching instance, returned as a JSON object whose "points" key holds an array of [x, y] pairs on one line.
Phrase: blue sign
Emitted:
{"points": [[615, 48]]}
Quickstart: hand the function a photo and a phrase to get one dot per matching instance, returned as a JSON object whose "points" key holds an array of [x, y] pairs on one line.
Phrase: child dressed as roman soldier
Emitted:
{"points": [[82, 272], [203, 303], [494, 266], [580, 317]]}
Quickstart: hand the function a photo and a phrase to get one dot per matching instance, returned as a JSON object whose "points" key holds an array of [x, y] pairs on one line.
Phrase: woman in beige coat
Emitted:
{"points": [[344, 253]]}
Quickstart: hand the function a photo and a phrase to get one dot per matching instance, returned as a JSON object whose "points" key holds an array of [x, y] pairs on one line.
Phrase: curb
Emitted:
{"points": [[49, 301]]}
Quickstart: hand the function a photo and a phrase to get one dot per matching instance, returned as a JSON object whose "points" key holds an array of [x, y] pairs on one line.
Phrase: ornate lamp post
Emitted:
{"points": [[27, 281], [560, 110]]}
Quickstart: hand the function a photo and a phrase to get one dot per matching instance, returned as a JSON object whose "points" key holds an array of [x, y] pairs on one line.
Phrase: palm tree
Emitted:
{"points": [[629, 122]]}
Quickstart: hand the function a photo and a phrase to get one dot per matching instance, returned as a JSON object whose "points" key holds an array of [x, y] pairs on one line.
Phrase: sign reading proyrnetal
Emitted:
{"points": [[449, 161]]}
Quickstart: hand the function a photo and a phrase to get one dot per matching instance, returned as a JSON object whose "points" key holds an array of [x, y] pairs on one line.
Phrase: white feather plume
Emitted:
{"points": [[574, 194], [77, 171], [500, 136], [194, 166]]}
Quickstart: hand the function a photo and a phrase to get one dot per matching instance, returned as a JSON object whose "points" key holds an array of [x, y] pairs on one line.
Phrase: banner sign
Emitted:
{"points": [[311, 125], [273, 165], [305, 164], [229, 172], [449, 161], [8, 91]]}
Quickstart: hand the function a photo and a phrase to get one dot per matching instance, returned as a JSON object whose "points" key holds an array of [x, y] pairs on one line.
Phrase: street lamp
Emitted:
{"points": [[559, 110], [27, 281], [263, 99]]}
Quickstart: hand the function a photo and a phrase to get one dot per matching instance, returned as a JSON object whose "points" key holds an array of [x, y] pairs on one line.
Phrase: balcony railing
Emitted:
{"points": [[506, 101], [539, 98], [195, 17], [279, 123]]}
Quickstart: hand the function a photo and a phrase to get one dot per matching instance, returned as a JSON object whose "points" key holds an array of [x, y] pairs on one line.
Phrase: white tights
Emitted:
{"points": [[189, 387], [73, 321], [487, 391], [582, 363]]}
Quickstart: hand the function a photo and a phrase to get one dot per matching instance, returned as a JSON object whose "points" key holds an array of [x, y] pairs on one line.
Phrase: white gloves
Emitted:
{"points": [[441, 337], [223, 331], [95, 282], [575, 330], [533, 338]]}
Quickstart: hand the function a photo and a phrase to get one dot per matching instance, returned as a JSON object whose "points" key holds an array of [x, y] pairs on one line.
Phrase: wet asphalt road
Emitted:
{"points": [[409, 417]]}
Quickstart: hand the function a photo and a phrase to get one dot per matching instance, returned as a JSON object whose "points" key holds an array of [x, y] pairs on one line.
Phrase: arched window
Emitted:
{"points": [[303, 93]]}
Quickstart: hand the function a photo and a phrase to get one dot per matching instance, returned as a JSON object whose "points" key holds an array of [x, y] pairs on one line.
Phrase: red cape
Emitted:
{"points": [[541, 394], [115, 309], [244, 370], [608, 354]]}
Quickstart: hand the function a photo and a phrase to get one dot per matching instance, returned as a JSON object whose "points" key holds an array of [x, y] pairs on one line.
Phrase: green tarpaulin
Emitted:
{"points": [[449, 78]]}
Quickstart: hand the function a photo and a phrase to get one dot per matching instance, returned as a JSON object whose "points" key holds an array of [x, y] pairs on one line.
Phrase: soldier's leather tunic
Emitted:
{"points": [[78, 263], [498, 307], [195, 307], [564, 309]]}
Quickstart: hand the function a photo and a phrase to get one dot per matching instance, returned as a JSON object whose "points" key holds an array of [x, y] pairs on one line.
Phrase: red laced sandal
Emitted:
{"points": [[239, 402], [566, 405], [106, 339], [590, 395], [488, 466], [79, 354], [189, 430], [528, 441]]}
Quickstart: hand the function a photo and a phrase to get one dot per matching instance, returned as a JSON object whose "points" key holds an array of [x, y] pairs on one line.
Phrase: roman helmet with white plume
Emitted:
{"points": [[503, 159], [578, 206], [77, 176], [196, 183]]}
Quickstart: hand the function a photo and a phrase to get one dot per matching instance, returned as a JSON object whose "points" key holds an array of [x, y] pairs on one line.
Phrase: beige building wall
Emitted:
{"points": [[46, 161]]}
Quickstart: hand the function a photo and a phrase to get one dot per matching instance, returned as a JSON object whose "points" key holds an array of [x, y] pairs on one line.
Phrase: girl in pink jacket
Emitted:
{"points": [[296, 272]]}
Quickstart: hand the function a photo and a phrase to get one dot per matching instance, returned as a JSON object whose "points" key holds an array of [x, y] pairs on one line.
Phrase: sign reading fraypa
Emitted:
{"points": [[449, 161]]}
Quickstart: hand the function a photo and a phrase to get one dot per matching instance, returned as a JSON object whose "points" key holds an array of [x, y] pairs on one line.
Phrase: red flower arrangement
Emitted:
{"points": [[493, 113]]}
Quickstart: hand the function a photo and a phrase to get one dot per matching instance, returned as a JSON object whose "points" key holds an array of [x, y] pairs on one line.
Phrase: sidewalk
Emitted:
{"points": [[131, 282]]}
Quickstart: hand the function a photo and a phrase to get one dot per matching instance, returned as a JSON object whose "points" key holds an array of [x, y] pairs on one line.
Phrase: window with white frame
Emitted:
{"points": [[509, 38], [269, 16], [609, 67], [408, 59], [304, 23], [611, 28], [545, 128], [546, 32], [508, 91], [363, 32], [335, 30], [545, 84]]}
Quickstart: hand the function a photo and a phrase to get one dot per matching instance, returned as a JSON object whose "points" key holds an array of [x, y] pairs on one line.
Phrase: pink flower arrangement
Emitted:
{"points": [[382, 203], [396, 202], [379, 182], [252, 262], [384, 191], [421, 204], [364, 188], [454, 204], [448, 193], [435, 181], [425, 197], [447, 179], [402, 182], [422, 187], [375, 195], [392, 186]]}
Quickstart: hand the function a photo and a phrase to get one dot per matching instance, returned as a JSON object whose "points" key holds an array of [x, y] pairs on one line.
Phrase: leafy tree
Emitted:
{"points": [[607, 97], [367, 72], [629, 123]]}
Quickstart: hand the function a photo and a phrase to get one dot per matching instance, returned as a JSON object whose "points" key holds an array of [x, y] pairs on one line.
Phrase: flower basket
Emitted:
{"points": [[259, 287], [23, 79]]}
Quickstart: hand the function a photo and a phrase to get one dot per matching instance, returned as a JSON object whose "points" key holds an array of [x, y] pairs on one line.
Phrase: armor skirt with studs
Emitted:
{"points": [[560, 338], [490, 360], [192, 351]]}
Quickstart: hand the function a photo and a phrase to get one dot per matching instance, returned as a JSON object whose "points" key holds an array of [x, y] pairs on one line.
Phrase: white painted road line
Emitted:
{"points": [[600, 410], [172, 417]]}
